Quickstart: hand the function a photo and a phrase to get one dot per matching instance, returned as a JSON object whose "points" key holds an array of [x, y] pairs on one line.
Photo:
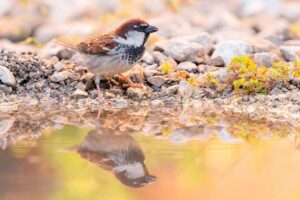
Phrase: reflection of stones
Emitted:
{"points": [[196, 123], [117, 153], [182, 135]]}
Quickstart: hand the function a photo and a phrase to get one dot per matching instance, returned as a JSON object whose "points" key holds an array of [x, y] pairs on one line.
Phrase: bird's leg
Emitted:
{"points": [[97, 82], [130, 83]]}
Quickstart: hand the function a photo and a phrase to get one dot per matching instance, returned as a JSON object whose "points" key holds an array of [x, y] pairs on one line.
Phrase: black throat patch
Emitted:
{"points": [[133, 54]]}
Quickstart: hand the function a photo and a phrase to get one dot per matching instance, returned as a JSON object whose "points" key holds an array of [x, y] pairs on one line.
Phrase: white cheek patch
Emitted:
{"points": [[133, 170], [134, 38]]}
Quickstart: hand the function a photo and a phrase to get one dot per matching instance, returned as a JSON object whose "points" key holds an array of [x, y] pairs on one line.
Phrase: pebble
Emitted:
{"points": [[59, 76], [265, 59], [159, 57], [172, 90], [185, 89], [157, 103], [276, 91], [156, 80], [80, 93], [229, 49], [148, 73], [188, 66], [218, 61], [6, 124], [116, 91], [74, 76], [296, 81], [58, 66], [6, 76], [262, 45], [135, 93], [120, 103], [290, 53], [148, 58]]}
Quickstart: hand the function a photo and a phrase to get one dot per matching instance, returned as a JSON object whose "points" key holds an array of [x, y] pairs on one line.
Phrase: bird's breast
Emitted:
{"points": [[131, 54]]}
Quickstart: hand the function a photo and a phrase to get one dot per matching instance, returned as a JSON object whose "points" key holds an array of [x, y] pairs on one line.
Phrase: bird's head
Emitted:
{"points": [[134, 32]]}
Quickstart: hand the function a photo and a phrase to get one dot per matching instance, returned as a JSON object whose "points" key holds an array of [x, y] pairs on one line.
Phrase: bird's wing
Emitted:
{"points": [[97, 45]]}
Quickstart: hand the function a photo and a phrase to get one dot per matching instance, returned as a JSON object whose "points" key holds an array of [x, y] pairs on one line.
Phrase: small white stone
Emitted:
{"points": [[6, 124], [60, 76], [6, 76], [58, 66], [79, 92]]}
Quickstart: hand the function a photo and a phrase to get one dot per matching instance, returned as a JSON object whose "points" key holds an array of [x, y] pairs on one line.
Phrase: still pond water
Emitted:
{"points": [[141, 155]]}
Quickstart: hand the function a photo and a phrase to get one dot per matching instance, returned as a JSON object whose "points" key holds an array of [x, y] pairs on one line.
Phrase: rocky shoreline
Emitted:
{"points": [[190, 61], [173, 71]]}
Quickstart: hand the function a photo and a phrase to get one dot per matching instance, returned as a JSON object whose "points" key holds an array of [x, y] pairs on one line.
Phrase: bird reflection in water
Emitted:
{"points": [[118, 153]]}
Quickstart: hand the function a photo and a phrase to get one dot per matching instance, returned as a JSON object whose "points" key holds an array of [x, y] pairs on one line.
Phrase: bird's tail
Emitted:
{"points": [[66, 44]]}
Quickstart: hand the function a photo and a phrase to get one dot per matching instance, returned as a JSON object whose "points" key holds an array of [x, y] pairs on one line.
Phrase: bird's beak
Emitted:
{"points": [[151, 29]]}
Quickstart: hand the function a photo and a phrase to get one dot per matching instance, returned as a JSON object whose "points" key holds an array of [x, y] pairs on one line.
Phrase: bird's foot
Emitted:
{"points": [[130, 83]]}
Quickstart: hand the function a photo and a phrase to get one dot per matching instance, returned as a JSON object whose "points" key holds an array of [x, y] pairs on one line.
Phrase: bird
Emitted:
{"points": [[115, 52], [117, 153]]}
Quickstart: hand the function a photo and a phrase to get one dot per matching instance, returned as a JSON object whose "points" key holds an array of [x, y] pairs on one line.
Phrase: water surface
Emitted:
{"points": [[140, 154]]}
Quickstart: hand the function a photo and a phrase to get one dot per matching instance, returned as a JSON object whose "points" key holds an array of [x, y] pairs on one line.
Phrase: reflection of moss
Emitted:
{"points": [[246, 131]]}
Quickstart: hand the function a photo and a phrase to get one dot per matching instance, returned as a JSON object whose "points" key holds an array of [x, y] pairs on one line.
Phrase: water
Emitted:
{"points": [[140, 154]]}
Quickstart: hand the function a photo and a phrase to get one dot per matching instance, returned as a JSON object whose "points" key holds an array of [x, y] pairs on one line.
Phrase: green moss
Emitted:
{"points": [[212, 80], [296, 71], [248, 77]]}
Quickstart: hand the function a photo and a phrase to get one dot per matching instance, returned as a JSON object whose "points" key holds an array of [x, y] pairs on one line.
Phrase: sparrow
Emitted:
{"points": [[115, 52], [117, 153]]}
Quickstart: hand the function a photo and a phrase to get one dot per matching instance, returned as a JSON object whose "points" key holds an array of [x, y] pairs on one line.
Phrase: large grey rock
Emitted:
{"points": [[6, 76], [181, 50], [188, 66], [290, 53], [203, 38], [254, 7], [230, 49]]}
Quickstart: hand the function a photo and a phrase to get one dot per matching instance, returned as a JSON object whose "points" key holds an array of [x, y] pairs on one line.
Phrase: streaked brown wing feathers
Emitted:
{"points": [[97, 45]]}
